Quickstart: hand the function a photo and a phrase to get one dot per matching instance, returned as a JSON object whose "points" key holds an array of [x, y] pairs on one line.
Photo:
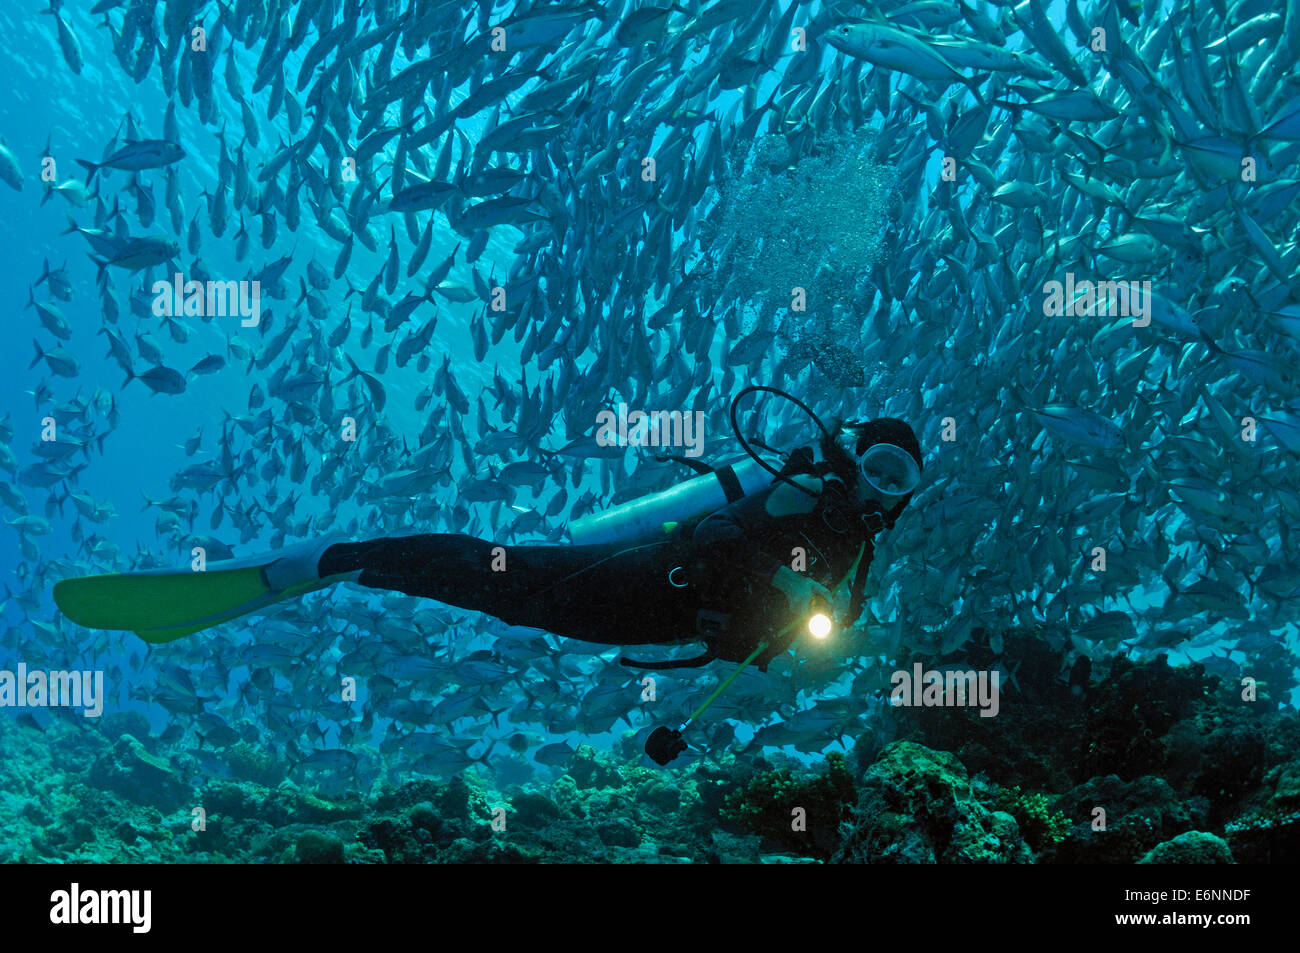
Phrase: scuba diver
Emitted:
{"points": [[724, 579], [740, 558]]}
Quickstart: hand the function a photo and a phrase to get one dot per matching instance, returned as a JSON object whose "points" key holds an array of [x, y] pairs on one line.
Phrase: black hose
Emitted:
{"points": [[735, 428]]}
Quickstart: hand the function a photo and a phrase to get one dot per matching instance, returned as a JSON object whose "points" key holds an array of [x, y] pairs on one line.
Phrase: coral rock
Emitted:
{"points": [[1194, 847], [918, 806]]}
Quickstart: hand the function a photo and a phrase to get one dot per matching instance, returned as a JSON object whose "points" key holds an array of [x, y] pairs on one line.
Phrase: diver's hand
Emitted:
{"points": [[800, 590]]}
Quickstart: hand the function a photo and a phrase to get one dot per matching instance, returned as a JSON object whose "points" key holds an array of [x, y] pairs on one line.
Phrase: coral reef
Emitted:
{"points": [[1039, 823], [919, 806], [130, 770], [1131, 712], [1126, 760], [1193, 847], [1118, 821], [800, 813], [1163, 765]]}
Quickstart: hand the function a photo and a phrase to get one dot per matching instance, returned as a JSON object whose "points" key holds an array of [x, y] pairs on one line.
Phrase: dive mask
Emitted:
{"points": [[889, 470]]}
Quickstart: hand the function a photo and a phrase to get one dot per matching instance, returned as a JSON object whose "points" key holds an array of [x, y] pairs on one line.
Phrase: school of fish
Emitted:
{"points": [[474, 226]]}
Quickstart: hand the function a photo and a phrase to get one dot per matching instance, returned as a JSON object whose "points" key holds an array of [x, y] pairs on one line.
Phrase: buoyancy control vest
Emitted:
{"points": [[714, 621]]}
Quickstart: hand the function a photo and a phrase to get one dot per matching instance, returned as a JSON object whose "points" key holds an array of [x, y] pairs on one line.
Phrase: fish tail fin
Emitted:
{"points": [[39, 354], [1022, 396], [973, 83], [90, 167], [356, 371], [1014, 108], [72, 226], [31, 301]]}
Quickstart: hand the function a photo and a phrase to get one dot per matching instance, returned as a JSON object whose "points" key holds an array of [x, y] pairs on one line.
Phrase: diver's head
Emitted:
{"points": [[886, 464]]}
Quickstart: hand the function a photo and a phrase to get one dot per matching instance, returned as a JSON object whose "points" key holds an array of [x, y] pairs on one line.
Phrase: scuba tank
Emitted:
{"points": [[652, 516]]}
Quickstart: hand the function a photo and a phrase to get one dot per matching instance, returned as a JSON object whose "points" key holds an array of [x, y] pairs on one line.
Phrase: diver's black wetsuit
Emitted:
{"points": [[710, 580]]}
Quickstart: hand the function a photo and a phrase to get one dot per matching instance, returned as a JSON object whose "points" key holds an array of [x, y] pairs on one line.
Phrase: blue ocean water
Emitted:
{"points": [[987, 569]]}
